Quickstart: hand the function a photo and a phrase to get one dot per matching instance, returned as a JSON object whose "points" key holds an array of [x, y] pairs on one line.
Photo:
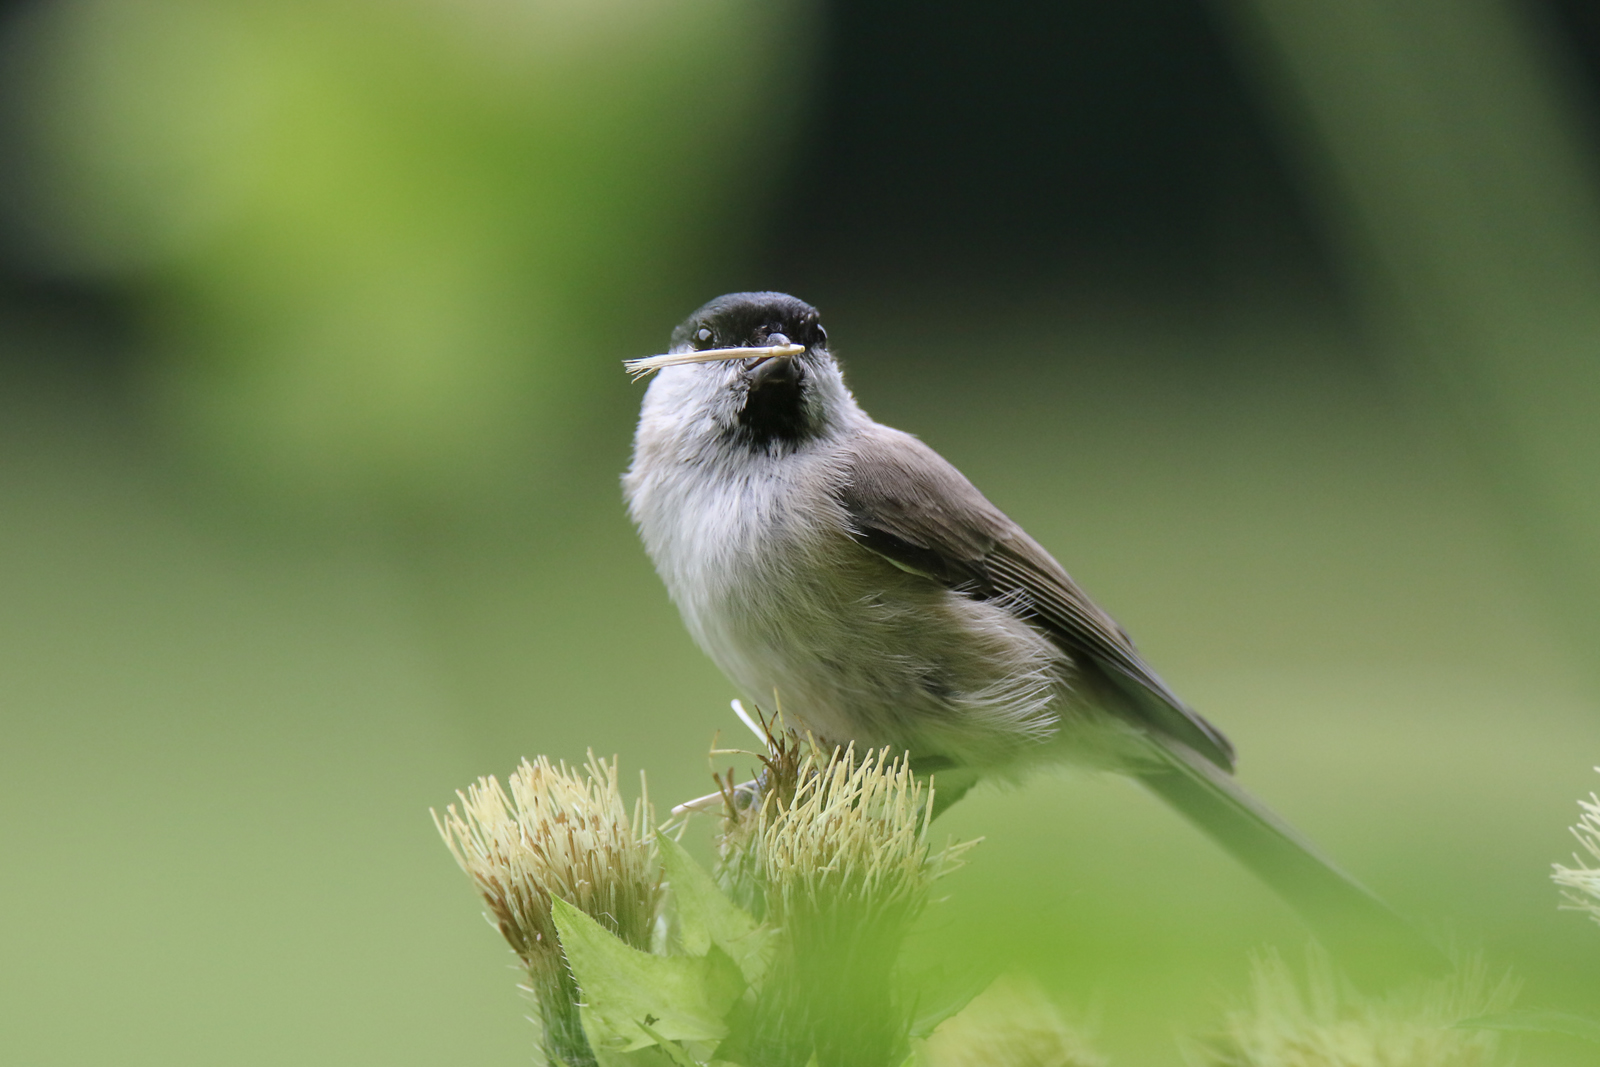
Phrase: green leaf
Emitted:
{"points": [[683, 998], [707, 917], [674, 1050], [948, 1001], [1537, 1022], [654, 1056]]}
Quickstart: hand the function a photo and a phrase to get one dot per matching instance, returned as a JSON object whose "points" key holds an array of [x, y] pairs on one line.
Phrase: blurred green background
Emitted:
{"points": [[1281, 327]]}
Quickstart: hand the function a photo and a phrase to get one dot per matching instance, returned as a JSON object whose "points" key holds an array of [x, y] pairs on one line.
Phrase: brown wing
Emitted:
{"points": [[910, 506]]}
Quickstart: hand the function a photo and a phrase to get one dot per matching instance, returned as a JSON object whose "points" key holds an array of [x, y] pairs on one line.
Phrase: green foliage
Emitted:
{"points": [[832, 854], [706, 917], [836, 849], [686, 1004], [634, 999]]}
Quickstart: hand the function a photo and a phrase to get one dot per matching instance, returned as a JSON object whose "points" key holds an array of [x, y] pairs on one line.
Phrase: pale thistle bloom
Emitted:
{"points": [[557, 832], [1013, 1023], [1327, 1025], [739, 852], [852, 836], [1581, 884], [822, 832], [836, 851]]}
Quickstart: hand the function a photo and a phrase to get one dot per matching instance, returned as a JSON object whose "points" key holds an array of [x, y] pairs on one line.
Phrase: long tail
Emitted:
{"points": [[1361, 930]]}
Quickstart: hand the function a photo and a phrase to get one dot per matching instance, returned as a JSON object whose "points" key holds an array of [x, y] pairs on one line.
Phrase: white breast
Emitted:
{"points": [[741, 557], [758, 559]]}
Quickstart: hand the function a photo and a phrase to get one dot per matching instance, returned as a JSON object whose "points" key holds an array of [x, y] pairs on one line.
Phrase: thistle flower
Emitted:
{"points": [[1329, 1026], [1014, 1023], [556, 833], [837, 849], [851, 838], [744, 808], [1581, 884]]}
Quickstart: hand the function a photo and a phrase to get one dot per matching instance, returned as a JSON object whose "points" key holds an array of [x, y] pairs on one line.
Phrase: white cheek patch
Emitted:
{"points": [[641, 367]]}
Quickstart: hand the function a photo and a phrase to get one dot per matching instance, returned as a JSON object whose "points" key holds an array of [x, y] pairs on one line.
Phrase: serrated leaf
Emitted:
{"points": [[683, 998], [1537, 1022], [707, 917]]}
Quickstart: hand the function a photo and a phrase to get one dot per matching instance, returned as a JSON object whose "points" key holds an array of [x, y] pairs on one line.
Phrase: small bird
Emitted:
{"points": [[847, 570]]}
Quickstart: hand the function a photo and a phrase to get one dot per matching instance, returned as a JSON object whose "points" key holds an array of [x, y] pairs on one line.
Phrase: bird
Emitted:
{"points": [[848, 570]]}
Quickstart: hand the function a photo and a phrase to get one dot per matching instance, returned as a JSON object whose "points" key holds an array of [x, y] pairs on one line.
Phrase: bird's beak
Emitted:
{"points": [[640, 367]]}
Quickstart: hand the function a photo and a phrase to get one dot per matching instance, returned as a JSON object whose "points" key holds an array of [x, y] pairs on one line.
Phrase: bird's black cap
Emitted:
{"points": [[748, 319]]}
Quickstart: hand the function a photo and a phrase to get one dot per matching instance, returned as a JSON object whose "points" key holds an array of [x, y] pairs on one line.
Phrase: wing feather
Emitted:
{"points": [[909, 505]]}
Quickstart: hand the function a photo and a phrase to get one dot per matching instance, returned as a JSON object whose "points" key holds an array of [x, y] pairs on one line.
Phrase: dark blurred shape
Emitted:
{"points": [[93, 320], [1004, 143], [957, 142], [1575, 24], [1461, 189]]}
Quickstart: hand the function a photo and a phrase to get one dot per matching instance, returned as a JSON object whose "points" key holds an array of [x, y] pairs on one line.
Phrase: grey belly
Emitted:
{"points": [[864, 652]]}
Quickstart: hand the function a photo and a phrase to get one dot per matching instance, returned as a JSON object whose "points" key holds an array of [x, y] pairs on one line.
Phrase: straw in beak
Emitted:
{"points": [[641, 367]]}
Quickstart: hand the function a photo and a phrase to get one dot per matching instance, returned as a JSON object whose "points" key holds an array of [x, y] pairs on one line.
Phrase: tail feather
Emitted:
{"points": [[1357, 926]]}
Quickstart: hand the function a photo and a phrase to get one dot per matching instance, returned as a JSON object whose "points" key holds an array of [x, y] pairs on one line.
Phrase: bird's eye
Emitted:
{"points": [[703, 337]]}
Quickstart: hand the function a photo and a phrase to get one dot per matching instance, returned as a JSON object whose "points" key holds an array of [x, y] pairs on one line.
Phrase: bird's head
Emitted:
{"points": [[751, 370]]}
